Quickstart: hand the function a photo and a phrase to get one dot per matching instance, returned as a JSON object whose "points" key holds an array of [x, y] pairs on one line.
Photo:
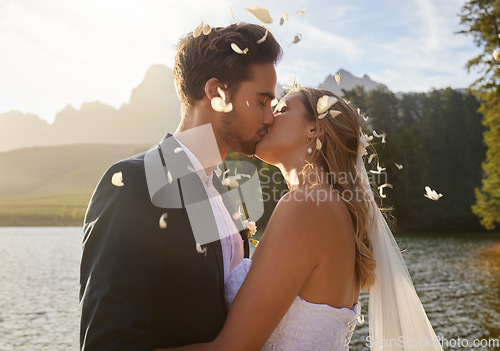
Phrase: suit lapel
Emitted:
{"points": [[195, 200], [231, 209]]}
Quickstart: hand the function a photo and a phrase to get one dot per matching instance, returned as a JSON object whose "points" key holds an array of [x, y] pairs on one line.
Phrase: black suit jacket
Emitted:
{"points": [[142, 286]]}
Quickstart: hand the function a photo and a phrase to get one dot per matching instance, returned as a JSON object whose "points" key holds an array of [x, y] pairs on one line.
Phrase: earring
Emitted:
{"points": [[309, 151]]}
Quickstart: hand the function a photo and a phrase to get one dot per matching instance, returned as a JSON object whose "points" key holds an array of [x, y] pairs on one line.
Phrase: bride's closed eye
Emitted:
{"points": [[282, 109]]}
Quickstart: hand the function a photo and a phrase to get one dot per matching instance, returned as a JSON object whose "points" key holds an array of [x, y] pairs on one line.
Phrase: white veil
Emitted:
{"points": [[397, 319]]}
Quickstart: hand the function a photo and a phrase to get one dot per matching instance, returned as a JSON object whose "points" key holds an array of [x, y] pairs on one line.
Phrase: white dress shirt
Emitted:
{"points": [[230, 238]]}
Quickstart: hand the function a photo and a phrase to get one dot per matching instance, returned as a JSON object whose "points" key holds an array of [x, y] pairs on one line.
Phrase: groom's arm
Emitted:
{"points": [[122, 262]]}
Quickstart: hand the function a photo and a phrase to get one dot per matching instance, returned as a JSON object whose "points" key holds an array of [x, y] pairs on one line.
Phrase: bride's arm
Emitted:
{"points": [[288, 252]]}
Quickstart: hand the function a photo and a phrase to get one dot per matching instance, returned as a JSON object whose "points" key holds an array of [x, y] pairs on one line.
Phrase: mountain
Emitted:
{"points": [[349, 82], [152, 111]]}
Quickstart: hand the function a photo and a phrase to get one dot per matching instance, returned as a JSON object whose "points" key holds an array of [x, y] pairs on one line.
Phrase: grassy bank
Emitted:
{"points": [[62, 210]]}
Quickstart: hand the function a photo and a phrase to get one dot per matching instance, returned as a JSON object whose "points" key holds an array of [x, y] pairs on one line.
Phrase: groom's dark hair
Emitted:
{"points": [[211, 56]]}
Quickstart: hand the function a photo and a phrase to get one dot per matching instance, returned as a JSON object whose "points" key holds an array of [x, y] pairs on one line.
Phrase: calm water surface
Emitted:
{"points": [[456, 276]]}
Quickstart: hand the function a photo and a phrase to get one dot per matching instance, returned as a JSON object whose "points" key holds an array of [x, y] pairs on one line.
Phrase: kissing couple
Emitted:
{"points": [[165, 262]]}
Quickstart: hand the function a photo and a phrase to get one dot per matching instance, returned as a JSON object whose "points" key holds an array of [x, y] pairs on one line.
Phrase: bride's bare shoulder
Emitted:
{"points": [[314, 208]]}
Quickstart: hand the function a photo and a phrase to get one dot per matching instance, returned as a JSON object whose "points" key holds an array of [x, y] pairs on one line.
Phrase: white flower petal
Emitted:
{"points": [[296, 39], [319, 145], [381, 189], [274, 102], [177, 150], [338, 78], [220, 106], [163, 222], [221, 93], [300, 13], [117, 179], [201, 250], [232, 13], [496, 54], [321, 116], [237, 49], [218, 171], [197, 31], [366, 118], [263, 39], [325, 102], [169, 177], [398, 165], [432, 194], [372, 156], [285, 16], [261, 13], [231, 181], [334, 113], [207, 29]]}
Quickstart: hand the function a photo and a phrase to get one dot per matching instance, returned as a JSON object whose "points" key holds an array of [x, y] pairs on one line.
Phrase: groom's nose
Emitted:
{"points": [[268, 117]]}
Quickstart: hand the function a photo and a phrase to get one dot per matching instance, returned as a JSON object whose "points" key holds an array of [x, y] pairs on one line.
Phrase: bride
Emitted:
{"points": [[325, 241]]}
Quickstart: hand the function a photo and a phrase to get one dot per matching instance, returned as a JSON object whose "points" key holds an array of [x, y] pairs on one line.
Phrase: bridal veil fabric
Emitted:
{"points": [[397, 319]]}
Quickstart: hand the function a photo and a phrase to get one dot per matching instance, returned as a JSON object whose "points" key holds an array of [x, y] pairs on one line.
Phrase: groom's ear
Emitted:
{"points": [[211, 90]]}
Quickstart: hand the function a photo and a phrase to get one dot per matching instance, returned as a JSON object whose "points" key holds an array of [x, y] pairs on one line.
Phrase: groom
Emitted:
{"points": [[147, 279]]}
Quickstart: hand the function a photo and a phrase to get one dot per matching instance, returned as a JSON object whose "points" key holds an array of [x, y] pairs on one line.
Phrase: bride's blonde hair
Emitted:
{"points": [[337, 157]]}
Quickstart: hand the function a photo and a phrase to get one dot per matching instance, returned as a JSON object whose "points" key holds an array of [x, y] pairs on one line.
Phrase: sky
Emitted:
{"points": [[60, 52]]}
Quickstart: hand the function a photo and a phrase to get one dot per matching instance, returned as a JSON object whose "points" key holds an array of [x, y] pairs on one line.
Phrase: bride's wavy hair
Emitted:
{"points": [[337, 157]]}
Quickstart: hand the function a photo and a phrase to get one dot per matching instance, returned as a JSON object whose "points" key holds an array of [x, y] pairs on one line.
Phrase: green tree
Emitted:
{"points": [[482, 20]]}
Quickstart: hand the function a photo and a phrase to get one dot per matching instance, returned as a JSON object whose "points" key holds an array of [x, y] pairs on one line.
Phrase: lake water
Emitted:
{"points": [[456, 276]]}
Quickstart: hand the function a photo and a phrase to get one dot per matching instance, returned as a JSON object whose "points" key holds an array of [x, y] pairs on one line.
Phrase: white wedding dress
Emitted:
{"points": [[305, 326]]}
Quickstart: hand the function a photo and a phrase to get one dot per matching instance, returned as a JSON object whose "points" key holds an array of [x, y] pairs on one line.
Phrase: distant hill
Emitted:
{"points": [[58, 170], [349, 82], [52, 185], [153, 110]]}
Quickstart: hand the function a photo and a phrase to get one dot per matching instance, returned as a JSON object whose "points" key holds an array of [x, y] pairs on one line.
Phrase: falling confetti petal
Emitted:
{"points": [[232, 13], [285, 16], [325, 102], [197, 31], [163, 223], [237, 49], [318, 144], [296, 39], [321, 116], [117, 179], [219, 105], [379, 169], [398, 165], [366, 118], [237, 215], [334, 113], [201, 250], [301, 12], [432, 194], [496, 54], [376, 135], [274, 102], [263, 39], [338, 78], [221, 93], [169, 177], [372, 156], [231, 181], [282, 21], [381, 189], [261, 13], [359, 111], [218, 171], [207, 29], [253, 241], [177, 150]]}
